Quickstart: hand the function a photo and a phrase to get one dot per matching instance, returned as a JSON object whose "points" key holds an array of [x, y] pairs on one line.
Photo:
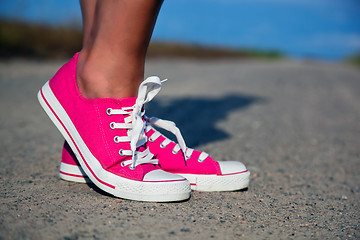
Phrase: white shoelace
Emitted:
{"points": [[135, 124], [171, 127]]}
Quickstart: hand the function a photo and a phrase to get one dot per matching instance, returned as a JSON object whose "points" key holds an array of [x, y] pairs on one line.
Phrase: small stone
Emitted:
{"points": [[140, 235]]}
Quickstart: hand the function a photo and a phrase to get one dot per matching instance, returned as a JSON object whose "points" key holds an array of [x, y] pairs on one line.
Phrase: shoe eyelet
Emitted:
{"points": [[116, 139], [131, 167], [200, 161], [174, 152], [108, 111], [162, 145], [122, 164], [112, 125], [150, 139], [121, 152]]}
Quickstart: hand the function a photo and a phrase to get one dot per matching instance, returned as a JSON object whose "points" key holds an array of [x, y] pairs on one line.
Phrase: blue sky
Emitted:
{"points": [[325, 29]]}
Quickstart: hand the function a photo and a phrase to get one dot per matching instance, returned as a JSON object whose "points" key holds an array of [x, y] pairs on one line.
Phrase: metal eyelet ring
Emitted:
{"points": [[112, 125], [122, 164], [162, 145], [174, 152], [116, 139], [108, 111], [200, 161], [131, 167], [121, 152], [150, 139]]}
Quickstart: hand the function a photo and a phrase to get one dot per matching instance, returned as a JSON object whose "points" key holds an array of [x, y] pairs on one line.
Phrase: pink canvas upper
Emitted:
{"points": [[175, 163], [168, 161], [93, 123]]}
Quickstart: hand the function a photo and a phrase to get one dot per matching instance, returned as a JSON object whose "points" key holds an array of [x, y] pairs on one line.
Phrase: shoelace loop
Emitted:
{"points": [[171, 127], [135, 125]]}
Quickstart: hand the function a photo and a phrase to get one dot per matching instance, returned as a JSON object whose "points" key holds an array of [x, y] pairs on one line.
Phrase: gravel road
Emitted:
{"points": [[296, 125]]}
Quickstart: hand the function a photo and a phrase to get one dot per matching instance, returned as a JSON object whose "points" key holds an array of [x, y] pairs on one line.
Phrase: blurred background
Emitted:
{"points": [[327, 30]]}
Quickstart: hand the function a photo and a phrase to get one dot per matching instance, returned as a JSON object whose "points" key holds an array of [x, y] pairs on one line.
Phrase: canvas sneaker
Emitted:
{"points": [[107, 139], [203, 172]]}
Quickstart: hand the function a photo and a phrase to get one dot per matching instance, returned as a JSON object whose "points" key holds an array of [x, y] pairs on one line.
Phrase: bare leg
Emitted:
{"points": [[116, 37], [88, 15]]}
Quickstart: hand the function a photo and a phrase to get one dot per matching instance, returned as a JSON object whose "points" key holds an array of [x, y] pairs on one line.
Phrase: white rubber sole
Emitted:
{"points": [[205, 183], [162, 191], [217, 183], [73, 173]]}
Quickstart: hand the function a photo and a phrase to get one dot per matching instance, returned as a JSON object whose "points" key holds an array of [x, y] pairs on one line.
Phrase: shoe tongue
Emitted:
{"points": [[141, 148], [148, 168], [127, 102]]}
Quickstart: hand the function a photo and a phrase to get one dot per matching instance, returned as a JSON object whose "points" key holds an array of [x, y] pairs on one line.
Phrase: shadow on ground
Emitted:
{"points": [[197, 117]]}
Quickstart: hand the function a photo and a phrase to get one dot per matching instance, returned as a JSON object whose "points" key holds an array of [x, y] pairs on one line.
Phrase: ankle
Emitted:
{"points": [[106, 77]]}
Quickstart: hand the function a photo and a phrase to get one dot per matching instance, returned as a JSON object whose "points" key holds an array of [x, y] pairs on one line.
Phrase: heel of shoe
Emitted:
{"points": [[73, 173]]}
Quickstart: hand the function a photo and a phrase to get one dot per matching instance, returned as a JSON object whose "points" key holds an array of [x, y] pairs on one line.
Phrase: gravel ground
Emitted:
{"points": [[296, 125]]}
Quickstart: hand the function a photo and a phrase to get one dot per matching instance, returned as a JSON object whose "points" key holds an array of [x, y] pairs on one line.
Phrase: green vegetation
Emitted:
{"points": [[355, 59], [24, 40], [18, 39], [162, 49]]}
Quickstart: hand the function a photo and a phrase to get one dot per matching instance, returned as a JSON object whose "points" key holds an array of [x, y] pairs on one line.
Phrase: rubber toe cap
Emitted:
{"points": [[231, 167], [160, 175]]}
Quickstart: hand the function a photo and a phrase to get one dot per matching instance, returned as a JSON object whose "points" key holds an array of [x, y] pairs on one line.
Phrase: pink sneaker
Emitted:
{"points": [[202, 171], [108, 139]]}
